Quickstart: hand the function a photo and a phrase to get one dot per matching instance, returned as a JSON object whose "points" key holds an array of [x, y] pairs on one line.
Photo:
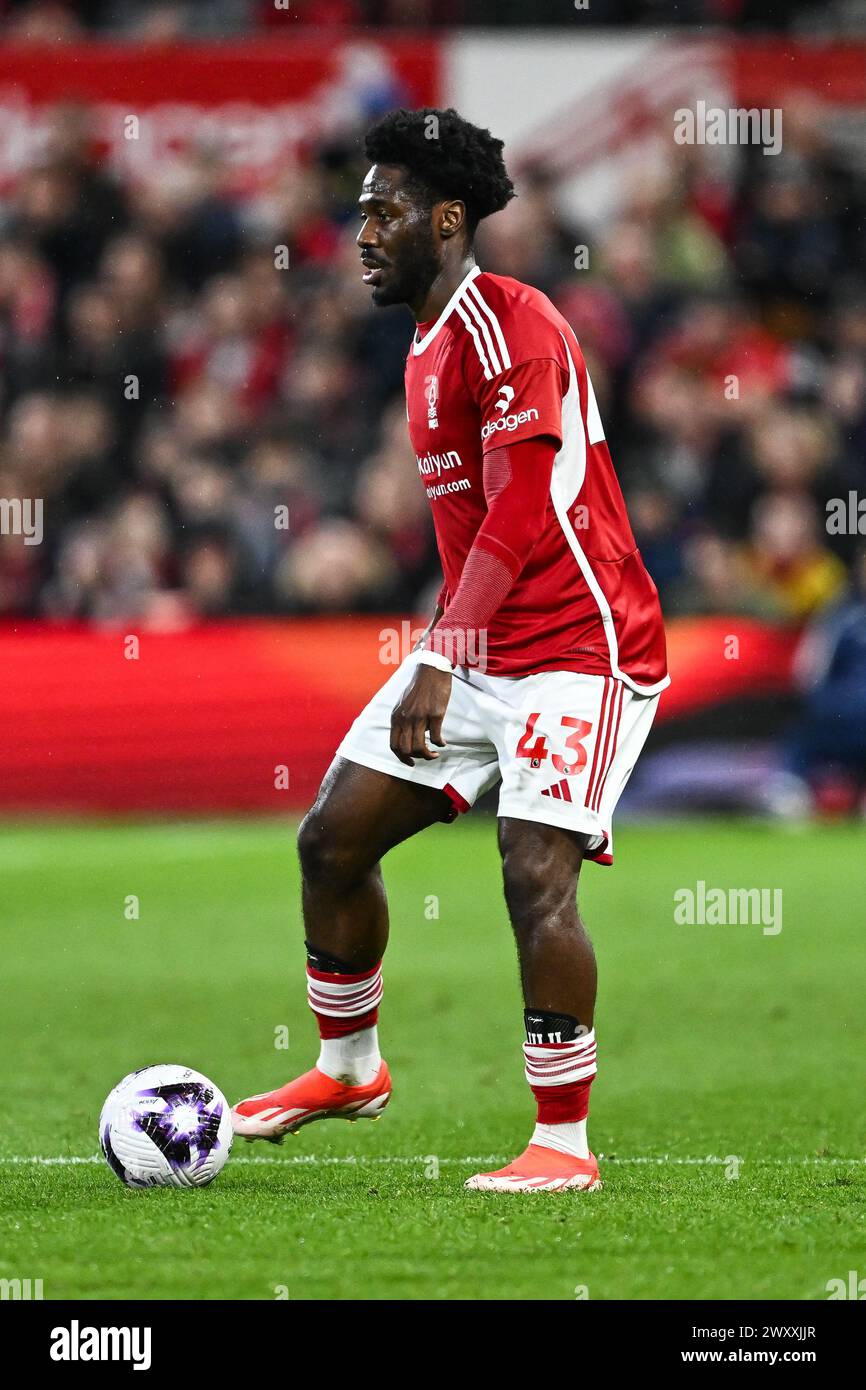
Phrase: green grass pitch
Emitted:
{"points": [[714, 1041]]}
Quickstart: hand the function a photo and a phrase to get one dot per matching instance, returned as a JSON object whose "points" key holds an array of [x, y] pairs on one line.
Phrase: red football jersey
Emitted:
{"points": [[500, 365]]}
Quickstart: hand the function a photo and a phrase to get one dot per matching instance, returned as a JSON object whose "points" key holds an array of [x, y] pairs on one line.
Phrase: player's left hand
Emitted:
{"points": [[421, 708]]}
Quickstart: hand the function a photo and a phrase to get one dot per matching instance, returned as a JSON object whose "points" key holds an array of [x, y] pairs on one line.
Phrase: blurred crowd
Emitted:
{"points": [[197, 386], [161, 20]]}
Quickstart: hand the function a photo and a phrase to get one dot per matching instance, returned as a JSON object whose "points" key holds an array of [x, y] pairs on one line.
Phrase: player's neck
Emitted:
{"points": [[442, 289]]}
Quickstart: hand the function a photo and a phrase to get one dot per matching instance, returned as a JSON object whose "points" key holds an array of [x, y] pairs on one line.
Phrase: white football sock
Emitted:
{"points": [[567, 1138], [355, 1059]]}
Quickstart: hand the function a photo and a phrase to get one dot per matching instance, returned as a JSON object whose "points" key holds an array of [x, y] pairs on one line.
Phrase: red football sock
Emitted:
{"points": [[560, 1076], [347, 1011]]}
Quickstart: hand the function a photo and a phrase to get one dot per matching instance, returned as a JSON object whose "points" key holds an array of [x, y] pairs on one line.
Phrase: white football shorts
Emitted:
{"points": [[562, 744]]}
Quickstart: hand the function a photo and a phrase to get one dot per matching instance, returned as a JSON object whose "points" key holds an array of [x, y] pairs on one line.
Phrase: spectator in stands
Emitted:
{"points": [[827, 746], [785, 556], [183, 355]]}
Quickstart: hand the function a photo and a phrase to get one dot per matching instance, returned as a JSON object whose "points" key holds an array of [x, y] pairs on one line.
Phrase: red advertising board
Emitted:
{"points": [[258, 102], [775, 70], [245, 716]]}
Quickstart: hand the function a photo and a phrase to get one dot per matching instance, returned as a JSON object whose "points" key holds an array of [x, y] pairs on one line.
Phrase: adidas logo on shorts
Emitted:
{"points": [[560, 791]]}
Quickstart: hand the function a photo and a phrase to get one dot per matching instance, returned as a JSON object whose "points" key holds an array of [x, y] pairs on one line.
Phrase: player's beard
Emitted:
{"points": [[408, 280]]}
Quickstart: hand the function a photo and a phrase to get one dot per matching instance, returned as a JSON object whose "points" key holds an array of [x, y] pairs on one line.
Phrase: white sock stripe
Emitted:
{"points": [[338, 987], [556, 1060], [588, 1065], [585, 1043], [344, 1000], [560, 1064], [356, 1011], [350, 1009], [564, 1078], [347, 1000]]}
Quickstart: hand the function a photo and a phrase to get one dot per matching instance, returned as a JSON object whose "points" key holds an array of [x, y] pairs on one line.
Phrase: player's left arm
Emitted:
{"points": [[439, 609], [517, 491], [520, 410]]}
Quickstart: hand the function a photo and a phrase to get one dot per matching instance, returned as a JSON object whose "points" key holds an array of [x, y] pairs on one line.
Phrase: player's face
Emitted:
{"points": [[397, 243]]}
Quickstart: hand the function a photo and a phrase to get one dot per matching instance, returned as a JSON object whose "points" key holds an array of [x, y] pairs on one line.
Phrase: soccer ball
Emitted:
{"points": [[165, 1126]]}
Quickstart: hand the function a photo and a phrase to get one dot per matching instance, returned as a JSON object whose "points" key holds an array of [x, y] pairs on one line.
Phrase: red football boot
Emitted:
{"points": [[313, 1096], [540, 1169]]}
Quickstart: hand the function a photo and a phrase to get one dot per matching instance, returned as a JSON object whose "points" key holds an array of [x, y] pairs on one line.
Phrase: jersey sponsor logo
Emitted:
{"points": [[509, 422], [441, 489], [431, 396], [434, 465], [507, 394]]}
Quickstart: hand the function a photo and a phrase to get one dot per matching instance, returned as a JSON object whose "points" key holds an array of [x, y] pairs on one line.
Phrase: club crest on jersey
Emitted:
{"points": [[431, 395]]}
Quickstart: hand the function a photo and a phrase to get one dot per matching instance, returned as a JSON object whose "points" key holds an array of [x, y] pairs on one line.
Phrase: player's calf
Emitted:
{"points": [[359, 815], [541, 864]]}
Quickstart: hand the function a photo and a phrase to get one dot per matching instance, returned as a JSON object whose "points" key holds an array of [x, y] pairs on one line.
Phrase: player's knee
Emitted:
{"points": [[318, 847], [530, 897], [327, 852], [536, 885]]}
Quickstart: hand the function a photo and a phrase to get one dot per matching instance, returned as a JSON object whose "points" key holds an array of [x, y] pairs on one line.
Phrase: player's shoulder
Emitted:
{"points": [[521, 321], [514, 298]]}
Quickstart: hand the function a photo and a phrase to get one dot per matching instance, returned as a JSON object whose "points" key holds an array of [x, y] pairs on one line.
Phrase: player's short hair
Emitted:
{"points": [[445, 157]]}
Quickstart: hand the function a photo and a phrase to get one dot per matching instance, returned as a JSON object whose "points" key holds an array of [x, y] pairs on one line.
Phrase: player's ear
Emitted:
{"points": [[451, 217]]}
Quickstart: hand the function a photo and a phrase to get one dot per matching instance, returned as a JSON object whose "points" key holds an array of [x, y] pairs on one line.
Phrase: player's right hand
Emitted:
{"points": [[420, 709]]}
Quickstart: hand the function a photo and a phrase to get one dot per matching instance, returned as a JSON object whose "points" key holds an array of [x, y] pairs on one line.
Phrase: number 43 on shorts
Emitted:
{"points": [[537, 750]]}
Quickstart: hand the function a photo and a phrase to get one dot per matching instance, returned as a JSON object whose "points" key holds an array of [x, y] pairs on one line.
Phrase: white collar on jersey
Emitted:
{"points": [[418, 347]]}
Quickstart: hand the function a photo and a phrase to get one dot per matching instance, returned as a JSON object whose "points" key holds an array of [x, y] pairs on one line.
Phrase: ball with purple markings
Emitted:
{"points": [[165, 1126]]}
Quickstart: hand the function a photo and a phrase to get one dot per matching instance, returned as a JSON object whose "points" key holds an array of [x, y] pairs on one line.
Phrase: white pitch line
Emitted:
{"points": [[659, 1160], [62, 1160]]}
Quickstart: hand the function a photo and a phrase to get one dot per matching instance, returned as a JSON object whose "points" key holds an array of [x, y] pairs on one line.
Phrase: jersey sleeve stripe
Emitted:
{"points": [[476, 340], [482, 324], [472, 292]]}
